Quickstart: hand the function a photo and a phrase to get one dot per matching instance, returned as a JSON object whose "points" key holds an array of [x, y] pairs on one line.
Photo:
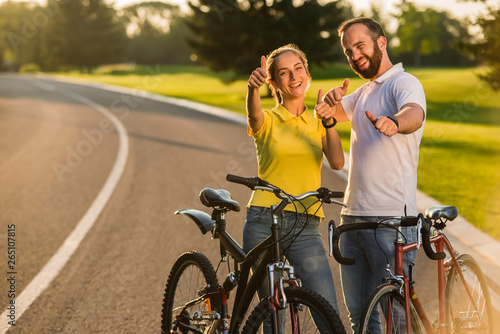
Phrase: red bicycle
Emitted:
{"points": [[394, 307]]}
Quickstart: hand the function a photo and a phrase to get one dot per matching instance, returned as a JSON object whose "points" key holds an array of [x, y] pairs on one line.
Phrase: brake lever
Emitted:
{"points": [[419, 232]]}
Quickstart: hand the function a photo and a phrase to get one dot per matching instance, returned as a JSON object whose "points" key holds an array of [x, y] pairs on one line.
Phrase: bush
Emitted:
{"points": [[29, 68]]}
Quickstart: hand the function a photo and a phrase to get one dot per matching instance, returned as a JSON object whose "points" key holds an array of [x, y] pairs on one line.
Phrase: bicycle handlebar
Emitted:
{"points": [[250, 182], [426, 240], [256, 183], [335, 233]]}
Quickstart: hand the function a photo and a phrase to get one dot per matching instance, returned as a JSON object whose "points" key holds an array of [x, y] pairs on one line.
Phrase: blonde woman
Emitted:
{"points": [[290, 144]]}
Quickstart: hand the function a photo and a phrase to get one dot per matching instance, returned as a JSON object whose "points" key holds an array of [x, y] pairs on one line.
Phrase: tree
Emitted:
{"points": [[429, 34], [84, 34], [487, 47], [20, 34], [177, 50], [233, 34], [156, 33], [155, 14]]}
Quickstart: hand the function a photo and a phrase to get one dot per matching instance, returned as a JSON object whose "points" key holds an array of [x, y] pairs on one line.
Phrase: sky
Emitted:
{"points": [[458, 8]]}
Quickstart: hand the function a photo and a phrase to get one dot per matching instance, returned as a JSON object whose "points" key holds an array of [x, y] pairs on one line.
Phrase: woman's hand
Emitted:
{"points": [[323, 109], [259, 76]]}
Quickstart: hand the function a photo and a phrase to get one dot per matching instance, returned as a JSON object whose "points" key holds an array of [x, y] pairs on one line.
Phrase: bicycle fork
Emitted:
{"points": [[277, 297]]}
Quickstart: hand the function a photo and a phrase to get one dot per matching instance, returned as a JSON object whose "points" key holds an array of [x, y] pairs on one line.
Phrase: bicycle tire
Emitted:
{"points": [[395, 320], [191, 272], [302, 301], [459, 311]]}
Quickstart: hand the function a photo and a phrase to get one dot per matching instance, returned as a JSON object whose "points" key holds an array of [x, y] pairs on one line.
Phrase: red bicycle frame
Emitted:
{"points": [[440, 242]]}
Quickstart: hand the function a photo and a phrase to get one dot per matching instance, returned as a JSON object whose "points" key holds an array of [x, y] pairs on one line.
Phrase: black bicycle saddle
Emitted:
{"points": [[220, 199], [435, 212]]}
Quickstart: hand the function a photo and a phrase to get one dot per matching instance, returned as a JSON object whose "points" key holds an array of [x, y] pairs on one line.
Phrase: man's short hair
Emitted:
{"points": [[374, 28]]}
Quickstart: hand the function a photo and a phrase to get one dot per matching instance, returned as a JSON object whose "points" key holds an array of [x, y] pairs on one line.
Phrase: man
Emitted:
{"points": [[387, 116]]}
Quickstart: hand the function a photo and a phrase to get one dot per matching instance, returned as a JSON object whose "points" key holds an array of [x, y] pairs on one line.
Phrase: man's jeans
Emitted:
{"points": [[371, 249]]}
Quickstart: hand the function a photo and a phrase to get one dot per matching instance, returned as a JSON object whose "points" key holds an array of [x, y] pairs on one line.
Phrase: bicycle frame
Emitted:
{"points": [[441, 242], [270, 263]]}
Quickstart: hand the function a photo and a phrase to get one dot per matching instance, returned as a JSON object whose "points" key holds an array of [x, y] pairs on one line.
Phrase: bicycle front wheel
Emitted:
{"points": [[468, 313], [307, 311], [191, 274], [385, 313]]}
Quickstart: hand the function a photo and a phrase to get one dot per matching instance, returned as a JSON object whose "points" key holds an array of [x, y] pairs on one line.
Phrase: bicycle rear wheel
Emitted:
{"points": [[385, 313], [303, 305], [466, 314], [191, 273]]}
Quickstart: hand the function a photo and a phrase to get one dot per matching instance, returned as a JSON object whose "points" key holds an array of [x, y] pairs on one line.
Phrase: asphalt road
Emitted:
{"points": [[58, 150]]}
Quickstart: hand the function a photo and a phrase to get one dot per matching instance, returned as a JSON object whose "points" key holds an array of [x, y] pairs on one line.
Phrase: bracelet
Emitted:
{"points": [[331, 125], [392, 118]]}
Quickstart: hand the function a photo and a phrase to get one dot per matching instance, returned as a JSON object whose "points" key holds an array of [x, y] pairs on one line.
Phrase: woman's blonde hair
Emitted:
{"points": [[270, 65]]}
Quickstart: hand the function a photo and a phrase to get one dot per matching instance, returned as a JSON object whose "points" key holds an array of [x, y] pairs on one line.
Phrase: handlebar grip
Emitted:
{"points": [[326, 193], [337, 194], [426, 241], [345, 228], [334, 243], [250, 182], [409, 221]]}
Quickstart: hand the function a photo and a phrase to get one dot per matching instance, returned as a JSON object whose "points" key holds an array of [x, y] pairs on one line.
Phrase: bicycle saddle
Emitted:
{"points": [[435, 212], [218, 199]]}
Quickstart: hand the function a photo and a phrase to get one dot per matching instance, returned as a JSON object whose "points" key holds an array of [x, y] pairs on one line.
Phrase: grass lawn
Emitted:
{"points": [[460, 150]]}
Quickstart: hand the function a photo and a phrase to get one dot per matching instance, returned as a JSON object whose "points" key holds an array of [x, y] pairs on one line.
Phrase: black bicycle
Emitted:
{"points": [[195, 302]]}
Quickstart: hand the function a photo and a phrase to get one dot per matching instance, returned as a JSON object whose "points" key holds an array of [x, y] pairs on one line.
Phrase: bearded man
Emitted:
{"points": [[387, 115]]}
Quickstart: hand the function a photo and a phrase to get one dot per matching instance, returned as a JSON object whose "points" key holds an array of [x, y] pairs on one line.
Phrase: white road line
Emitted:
{"points": [[42, 280]]}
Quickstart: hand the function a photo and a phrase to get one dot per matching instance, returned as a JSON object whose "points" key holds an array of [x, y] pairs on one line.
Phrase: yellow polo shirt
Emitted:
{"points": [[289, 155]]}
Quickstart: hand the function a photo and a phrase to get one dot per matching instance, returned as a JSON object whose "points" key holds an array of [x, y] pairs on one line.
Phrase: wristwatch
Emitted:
{"points": [[392, 118], [331, 125]]}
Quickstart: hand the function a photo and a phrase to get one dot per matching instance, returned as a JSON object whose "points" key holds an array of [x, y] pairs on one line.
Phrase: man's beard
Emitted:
{"points": [[373, 64]]}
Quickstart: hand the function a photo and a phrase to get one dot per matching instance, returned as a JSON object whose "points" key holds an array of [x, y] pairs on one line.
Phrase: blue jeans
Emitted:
{"points": [[306, 254], [360, 279]]}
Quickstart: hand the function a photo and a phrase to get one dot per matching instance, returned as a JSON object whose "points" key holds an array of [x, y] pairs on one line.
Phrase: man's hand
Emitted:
{"points": [[259, 76], [335, 95], [383, 124]]}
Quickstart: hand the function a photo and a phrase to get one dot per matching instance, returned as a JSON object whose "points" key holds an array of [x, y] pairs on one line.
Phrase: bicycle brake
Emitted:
{"points": [[279, 298]]}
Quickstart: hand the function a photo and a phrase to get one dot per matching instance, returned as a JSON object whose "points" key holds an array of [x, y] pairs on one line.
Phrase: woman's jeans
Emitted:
{"points": [[306, 254], [371, 249]]}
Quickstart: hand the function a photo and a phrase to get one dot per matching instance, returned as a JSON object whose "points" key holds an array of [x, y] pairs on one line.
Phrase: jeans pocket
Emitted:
{"points": [[255, 213], [411, 234]]}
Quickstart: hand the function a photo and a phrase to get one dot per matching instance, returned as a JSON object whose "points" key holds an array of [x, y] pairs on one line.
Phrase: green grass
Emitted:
{"points": [[460, 150]]}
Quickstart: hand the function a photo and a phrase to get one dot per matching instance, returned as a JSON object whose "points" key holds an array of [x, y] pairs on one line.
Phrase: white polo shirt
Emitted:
{"points": [[383, 170]]}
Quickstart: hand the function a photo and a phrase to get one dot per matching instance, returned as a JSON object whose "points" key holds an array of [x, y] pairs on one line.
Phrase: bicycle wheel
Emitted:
{"points": [[466, 314], [303, 305], [191, 273], [385, 313]]}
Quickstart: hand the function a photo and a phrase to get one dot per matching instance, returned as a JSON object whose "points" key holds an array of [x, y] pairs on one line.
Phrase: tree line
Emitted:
{"points": [[226, 35]]}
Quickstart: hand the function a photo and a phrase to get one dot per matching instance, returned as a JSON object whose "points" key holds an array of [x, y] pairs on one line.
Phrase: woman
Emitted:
{"points": [[290, 145]]}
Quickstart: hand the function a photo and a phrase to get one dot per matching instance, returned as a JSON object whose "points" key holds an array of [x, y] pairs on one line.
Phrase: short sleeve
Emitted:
{"points": [[264, 127], [408, 89]]}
